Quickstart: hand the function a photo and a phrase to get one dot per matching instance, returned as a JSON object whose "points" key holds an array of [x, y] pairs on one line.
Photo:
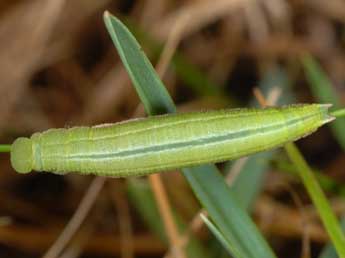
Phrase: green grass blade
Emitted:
{"points": [[154, 95], [228, 244], [226, 212], [319, 199], [206, 181], [5, 147], [189, 73], [323, 91], [338, 113], [329, 251]]}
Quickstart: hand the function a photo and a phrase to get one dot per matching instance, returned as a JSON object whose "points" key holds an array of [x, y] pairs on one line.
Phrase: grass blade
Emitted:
{"points": [[228, 244], [206, 181], [319, 199], [226, 212], [154, 95], [323, 91], [329, 251]]}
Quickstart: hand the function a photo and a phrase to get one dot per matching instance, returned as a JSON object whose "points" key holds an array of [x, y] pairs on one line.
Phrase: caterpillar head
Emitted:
{"points": [[21, 155]]}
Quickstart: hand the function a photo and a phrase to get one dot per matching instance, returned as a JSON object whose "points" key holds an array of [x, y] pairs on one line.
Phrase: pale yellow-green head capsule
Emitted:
{"points": [[21, 155]]}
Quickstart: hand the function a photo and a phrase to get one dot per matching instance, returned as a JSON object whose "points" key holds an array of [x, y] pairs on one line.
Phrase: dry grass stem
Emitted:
{"points": [[77, 219], [203, 13], [120, 201], [167, 217], [171, 45], [235, 170], [256, 20]]}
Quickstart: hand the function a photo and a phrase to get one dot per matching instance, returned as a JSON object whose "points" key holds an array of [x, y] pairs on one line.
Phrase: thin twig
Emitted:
{"points": [[124, 218], [203, 13], [260, 97], [166, 213], [77, 245], [77, 219], [171, 45], [235, 170]]}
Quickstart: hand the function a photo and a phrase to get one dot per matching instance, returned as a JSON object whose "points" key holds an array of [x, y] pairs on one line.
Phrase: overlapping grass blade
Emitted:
{"points": [[206, 181], [323, 91], [226, 212], [228, 244], [329, 250], [319, 199], [154, 95]]}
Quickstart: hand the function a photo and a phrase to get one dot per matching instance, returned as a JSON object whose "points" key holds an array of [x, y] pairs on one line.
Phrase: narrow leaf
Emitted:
{"points": [[206, 181], [329, 250], [324, 92], [154, 95], [319, 199], [228, 244]]}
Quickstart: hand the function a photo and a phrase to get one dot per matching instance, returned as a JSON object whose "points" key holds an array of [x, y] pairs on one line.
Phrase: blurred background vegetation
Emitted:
{"points": [[58, 68]]}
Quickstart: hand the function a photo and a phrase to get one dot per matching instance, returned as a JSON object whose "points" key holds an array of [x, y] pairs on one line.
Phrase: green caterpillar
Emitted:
{"points": [[143, 146]]}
